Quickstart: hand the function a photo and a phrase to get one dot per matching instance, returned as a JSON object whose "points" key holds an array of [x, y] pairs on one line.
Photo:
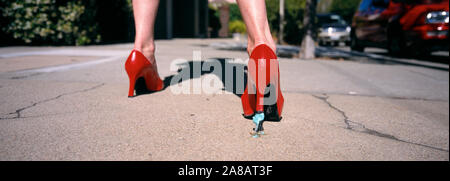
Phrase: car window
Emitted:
{"points": [[331, 19], [368, 7], [365, 4]]}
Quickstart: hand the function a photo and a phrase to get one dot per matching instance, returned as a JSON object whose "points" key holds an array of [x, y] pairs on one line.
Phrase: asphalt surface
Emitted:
{"points": [[70, 103]]}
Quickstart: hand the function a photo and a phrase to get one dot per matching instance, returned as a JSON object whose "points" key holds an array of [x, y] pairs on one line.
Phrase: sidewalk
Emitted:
{"points": [[70, 103]]}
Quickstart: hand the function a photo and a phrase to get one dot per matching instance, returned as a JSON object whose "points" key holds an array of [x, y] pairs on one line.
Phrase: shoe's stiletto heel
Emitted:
{"points": [[248, 104], [138, 66], [266, 102], [132, 83]]}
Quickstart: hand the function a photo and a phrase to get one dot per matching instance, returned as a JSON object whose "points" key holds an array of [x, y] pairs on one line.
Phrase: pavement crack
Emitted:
{"points": [[347, 121], [17, 114], [361, 128]]}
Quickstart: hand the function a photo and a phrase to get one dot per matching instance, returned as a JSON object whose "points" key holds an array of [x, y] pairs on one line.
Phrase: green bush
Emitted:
{"points": [[235, 13], [49, 22], [293, 27], [237, 26], [345, 8]]}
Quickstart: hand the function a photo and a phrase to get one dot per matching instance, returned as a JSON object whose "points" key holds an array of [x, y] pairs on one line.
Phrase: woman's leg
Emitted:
{"points": [[144, 19], [255, 17]]}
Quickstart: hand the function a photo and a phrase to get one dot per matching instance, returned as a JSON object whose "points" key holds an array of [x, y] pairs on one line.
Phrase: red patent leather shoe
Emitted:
{"points": [[138, 66], [262, 98]]}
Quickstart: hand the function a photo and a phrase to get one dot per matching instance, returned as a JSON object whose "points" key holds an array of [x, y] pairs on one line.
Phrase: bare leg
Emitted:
{"points": [[144, 18], [255, 17]]}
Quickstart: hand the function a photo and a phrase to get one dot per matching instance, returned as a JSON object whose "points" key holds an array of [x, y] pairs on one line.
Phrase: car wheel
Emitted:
{"points": [[347, 43], [396, 46], [425, 52], [354, 44], [336, 44]]}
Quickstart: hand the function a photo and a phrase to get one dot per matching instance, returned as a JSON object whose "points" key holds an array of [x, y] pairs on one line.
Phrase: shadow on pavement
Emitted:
{"points": [[431, 61], [236, 85], [426, 58], [189, 67]]}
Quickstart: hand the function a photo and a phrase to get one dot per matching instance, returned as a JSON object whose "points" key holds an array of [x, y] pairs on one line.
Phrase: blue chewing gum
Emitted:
{"points": [[258, 119]]}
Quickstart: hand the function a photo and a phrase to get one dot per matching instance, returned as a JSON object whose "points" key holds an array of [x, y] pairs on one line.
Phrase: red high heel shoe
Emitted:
{"points": [[138, 66], [262, 98]]}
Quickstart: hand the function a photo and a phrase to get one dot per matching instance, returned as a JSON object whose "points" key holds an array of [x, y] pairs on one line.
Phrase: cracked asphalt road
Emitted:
{"points": [[73, 105]]}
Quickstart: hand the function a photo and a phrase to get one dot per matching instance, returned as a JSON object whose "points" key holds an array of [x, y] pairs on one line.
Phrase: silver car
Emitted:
{"points": [[332, 30]]}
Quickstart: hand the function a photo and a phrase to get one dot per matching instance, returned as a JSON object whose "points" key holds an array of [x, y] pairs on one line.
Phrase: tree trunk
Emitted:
{"points": [[224, 19], [307, 49], [280, 33]]}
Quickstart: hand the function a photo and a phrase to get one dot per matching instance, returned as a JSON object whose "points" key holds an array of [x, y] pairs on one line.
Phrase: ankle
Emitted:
{"points": [[148, 50], [252, 43], [145, 48]]}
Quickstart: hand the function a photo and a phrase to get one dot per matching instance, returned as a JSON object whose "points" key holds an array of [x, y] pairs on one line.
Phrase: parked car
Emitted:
{"points": [[414, 26], [332, 30]]}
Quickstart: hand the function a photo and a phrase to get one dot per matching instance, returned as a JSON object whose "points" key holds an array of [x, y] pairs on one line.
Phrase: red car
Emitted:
{"points": [[414, 26]]}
